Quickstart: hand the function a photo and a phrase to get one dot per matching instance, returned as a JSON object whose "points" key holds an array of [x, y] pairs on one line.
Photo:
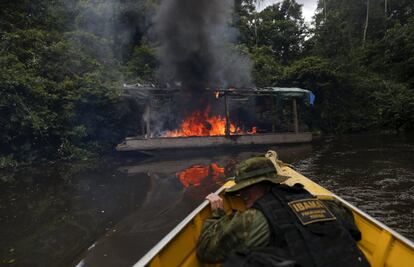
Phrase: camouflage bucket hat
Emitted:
{"points": [[253, 171]]}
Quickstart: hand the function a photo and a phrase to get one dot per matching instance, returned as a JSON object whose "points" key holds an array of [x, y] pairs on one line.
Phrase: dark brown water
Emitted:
{"points": [[376, 173], [111, 212]]}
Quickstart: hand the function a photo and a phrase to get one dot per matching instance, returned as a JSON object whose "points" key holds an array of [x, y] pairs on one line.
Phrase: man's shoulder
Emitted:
{"points": [[254, 215]]}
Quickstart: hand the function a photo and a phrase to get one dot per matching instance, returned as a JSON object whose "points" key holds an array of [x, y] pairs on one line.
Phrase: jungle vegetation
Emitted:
{"points": [[63, 63]]}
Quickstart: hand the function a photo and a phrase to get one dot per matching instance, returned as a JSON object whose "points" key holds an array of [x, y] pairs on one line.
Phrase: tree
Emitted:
{"points": [[281, 27], [143, 63], [60, 80], [267, 71], [399, 52]]}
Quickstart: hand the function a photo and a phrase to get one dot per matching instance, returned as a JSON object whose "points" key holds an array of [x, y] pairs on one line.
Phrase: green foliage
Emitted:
{"points": [[143, 63], [60, 81], [360, 84], [351, 98], [376, 74], [319, 76], [395, 106], [399, 51], [267, 70], [279, 27], [7, 162]]}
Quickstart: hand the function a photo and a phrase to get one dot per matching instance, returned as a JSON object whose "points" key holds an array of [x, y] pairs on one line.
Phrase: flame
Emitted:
{"points": [[202, 124], [196, 174], [217, 94]]}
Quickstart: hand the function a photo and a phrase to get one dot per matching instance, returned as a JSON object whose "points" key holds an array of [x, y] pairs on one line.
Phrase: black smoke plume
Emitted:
{"points": [[197, 45]]}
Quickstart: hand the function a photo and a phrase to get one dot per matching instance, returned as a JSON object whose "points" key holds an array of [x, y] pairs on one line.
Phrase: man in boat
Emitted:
{"points": [[281, 226]]}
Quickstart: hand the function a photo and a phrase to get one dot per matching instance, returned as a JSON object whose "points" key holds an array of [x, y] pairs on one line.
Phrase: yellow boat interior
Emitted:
{"points": [[381, 245]]}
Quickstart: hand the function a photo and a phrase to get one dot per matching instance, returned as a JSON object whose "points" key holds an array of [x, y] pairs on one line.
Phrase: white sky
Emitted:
{"points": [[308, 9]]}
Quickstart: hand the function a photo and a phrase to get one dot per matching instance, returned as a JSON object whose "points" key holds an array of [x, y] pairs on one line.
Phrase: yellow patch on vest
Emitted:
{"points": [[311, 211]]}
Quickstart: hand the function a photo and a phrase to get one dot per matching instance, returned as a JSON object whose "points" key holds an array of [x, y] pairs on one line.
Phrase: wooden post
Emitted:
{"points": [[143, 122], [226, 110], [148, 119], [295, 116], [273, 103]]}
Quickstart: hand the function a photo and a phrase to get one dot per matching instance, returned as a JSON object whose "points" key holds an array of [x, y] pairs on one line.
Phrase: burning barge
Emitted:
{"points": [[252, 116]]}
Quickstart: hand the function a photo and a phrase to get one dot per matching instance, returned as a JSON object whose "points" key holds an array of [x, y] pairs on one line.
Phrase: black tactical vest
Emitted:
{"points": [[307, 230]]}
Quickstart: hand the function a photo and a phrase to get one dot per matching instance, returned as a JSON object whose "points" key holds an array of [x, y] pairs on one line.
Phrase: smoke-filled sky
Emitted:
{"points": [[197, 49], [308, 9], [195, 38]]}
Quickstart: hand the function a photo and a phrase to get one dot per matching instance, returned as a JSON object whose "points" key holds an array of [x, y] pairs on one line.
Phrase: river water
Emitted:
{"points": [[110, 212]]}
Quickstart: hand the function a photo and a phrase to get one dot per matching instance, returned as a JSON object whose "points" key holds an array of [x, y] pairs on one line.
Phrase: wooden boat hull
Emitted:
{"points": [[381, 245], [199, 142]]}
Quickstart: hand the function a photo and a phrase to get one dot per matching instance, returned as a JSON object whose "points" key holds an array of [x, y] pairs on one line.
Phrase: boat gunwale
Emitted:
{"points": [[381, 225]]}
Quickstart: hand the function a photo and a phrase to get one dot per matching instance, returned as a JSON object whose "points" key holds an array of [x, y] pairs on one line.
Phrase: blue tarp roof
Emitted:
{"points": [[292, 92]]}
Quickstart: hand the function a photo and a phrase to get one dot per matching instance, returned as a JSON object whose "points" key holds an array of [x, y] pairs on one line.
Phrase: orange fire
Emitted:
{"points": [[196, 174], [203, 124], [217, 94]]}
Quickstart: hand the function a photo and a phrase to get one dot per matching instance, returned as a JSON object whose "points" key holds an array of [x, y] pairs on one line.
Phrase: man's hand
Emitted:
{"points": [[216, 202]]}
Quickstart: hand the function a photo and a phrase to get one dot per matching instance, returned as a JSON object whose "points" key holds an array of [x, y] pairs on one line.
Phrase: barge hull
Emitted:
{"points": [[150, 144]]}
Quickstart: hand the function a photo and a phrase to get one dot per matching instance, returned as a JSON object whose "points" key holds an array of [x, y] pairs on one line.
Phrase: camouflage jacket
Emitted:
{"points": [[222, 234]]}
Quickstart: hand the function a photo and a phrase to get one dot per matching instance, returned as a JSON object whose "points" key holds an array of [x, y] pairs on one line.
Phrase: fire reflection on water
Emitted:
{"points": [[200, 180], [196, 174]]}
